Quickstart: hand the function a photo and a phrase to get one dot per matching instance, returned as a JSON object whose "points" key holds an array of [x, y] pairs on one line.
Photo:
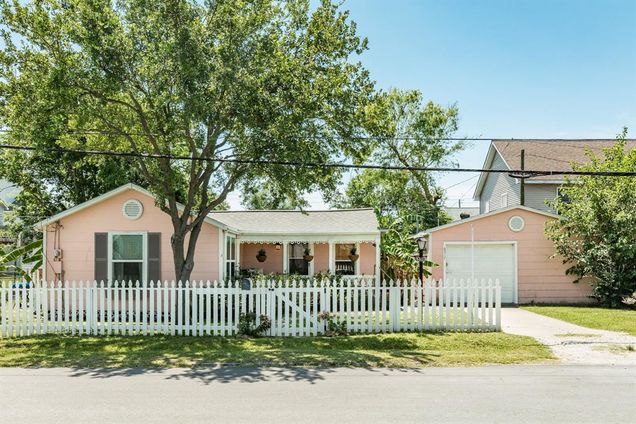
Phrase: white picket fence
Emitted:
{"points": [[211, 308]]}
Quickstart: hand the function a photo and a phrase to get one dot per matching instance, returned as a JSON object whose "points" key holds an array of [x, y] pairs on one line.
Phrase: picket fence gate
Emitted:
{"points": [[211, 308]]}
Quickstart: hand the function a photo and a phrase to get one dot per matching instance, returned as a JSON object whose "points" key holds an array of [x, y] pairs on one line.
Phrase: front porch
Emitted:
{"points": [[329, 256]]}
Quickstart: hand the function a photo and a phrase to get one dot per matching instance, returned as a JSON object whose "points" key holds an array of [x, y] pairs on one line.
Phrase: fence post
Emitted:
{"points": [[498, 304], [3, 310], [394, 306]]}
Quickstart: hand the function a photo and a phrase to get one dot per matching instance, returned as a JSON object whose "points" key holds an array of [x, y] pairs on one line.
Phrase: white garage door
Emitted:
{"points": [[491, 261]]}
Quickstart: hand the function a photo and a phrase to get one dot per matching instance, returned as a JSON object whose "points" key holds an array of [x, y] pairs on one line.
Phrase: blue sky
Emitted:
{"points": [[515, 68]]}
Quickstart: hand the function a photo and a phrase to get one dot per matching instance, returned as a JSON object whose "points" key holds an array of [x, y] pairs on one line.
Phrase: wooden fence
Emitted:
{"points": [[211, 308]]}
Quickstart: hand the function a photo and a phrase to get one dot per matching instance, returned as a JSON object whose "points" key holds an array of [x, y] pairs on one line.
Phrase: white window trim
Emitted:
{"points": [[504, 196], [310, 265], [487, 206], [226, 259], [356, 265], [144, 247]]}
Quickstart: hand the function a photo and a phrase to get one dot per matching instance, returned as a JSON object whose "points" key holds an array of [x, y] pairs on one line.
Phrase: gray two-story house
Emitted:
{"points": [[499, 190]]}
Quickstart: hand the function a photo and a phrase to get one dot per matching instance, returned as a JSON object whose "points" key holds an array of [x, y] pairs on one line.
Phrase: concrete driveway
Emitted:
{"points": [[570, 342], [507, 394]]}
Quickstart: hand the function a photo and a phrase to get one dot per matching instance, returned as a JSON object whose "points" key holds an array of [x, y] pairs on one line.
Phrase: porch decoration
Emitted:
{"points": [[261, 256], [308, 257], [353, 254]]}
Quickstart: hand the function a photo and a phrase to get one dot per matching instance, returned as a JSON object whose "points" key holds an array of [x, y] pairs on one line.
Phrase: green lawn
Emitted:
{"points": [[601, 318], [408, 350]]}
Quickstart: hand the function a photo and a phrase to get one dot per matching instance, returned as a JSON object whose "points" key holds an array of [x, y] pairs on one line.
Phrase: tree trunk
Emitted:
{"points": [[184, 260]]}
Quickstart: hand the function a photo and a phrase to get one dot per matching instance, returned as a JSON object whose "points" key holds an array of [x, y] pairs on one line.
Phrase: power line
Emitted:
{"points": [[466, 138], [461, 182], [463, 196], [525, 173]]}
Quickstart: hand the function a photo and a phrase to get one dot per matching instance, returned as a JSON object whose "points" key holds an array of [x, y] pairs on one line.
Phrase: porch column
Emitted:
{"points": [[221, 255], [331, 258], [237, 254], [378, 262], [285, 257], [310, 266]]}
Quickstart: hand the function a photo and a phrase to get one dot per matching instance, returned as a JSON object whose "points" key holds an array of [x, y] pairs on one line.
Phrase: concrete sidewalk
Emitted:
{"points": [[519, 394], [570, 342]]}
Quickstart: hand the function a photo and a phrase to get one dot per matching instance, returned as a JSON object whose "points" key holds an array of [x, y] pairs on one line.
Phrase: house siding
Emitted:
{"points": [[497, 184], [537, 194]]}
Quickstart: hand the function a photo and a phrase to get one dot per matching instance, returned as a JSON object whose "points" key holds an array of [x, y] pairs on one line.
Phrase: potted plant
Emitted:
{"points": [[308, 257], [353, 254], [261, 255]]}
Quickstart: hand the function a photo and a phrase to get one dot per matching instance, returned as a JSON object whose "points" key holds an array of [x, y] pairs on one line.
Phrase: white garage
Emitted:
{"points": [[488, 260]]}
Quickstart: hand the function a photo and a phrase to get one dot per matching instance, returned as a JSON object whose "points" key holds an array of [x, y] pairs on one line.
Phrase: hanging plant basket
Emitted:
{"points": [[261, 256], [307, 256]]}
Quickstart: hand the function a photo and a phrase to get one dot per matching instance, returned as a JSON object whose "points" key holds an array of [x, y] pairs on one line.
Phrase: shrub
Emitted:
{"points": [[335, 327], [247, 325], [595, 234]]}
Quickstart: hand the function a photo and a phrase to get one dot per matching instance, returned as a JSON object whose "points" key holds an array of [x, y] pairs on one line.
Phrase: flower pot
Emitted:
{"points": [[308, 258], [353, 258], [261, 258]]}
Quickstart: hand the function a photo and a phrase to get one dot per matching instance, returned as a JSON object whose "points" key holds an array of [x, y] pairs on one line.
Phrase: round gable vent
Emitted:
{"points": [[132, 209], [516, 223]]}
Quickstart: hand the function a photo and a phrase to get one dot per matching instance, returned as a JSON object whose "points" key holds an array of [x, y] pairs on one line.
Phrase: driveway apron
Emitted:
{"points": [[569, 342]]}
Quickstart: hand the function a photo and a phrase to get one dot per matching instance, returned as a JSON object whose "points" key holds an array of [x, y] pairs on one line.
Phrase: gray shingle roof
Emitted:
{"points": [[557, 155], [337, 221]]}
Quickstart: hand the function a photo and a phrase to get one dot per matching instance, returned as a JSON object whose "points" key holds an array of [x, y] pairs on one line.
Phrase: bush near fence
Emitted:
{"points": [[213, 308]]}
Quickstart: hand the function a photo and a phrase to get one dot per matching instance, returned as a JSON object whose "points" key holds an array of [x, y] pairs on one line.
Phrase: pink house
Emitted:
{"points": [[123, 235]]}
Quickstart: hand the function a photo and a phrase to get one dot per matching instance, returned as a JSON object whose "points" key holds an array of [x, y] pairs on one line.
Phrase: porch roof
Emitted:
{"points": [[281, 222]]}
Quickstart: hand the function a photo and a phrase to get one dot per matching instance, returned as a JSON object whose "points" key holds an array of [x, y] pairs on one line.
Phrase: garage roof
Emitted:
{"points": [[484, 215]]}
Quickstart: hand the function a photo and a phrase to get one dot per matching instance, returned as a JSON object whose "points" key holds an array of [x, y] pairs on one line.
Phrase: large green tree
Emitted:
{"points": [[53, 181], [405, 131], [226, 79], [597, 232]]}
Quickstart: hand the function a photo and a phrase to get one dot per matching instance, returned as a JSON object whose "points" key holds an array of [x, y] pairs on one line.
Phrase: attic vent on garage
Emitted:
{"points": [[516, 223], [132, 209]]}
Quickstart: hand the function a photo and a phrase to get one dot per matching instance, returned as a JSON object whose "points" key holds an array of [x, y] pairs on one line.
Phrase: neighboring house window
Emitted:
{"points": [[487, 206], [562, 196], [344, 266], [230, 257], [127, 257], [297, 265], [504, 200]]}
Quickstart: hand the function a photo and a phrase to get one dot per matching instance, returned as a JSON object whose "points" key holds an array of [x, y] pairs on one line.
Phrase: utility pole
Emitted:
{"points": [[523, 178]]}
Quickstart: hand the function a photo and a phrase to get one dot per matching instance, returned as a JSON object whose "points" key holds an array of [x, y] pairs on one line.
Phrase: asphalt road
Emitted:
{"points": [[524, 394]]}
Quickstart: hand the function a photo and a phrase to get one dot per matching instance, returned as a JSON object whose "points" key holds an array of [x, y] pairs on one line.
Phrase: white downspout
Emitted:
{"points": [[472, 252], [44, 249]]}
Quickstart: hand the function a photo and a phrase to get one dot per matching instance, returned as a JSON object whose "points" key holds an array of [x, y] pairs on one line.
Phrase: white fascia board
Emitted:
{"points": [[490, 156]]}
